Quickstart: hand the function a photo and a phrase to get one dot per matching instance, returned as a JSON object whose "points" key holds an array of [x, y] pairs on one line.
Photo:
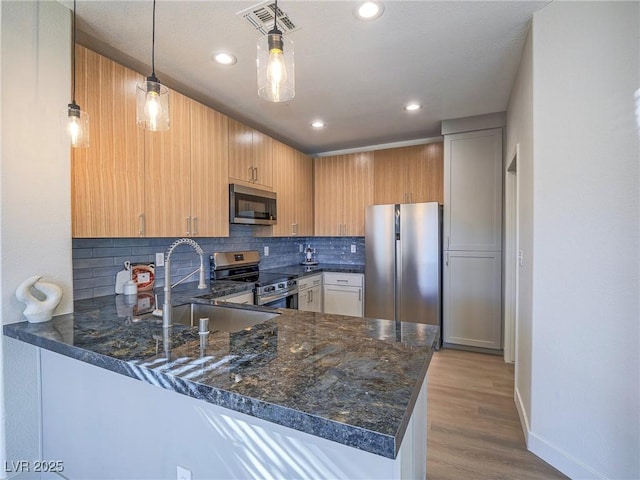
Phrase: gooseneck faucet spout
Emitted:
{"points": [[166, 309]]}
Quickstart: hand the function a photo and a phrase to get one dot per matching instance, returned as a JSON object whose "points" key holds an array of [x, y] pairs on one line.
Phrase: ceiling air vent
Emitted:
{"points": [[260, 17]]}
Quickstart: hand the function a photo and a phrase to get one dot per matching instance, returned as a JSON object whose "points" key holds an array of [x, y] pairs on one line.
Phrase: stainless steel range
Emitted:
{"points": [[272, 289]]}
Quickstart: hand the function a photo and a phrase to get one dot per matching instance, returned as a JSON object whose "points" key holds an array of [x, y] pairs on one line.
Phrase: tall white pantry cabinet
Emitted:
{"points": [[472, 238]]}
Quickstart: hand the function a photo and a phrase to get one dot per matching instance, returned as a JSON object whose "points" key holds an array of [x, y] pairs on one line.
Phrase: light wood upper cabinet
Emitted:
{"points": [[250, 156], [293, 183], [240, 145], [107, 178], [132, 182], [188, 172], [343, 188], [328, 192], [409, 174], [168, 178], [304, 205], [209, 172]]}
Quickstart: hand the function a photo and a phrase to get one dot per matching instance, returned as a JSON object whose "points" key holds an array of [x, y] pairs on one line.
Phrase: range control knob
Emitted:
{"points": [[270, 288], [281, 285]]}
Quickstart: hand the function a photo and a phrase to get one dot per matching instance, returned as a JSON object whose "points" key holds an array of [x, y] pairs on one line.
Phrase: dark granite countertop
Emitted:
{"points": [[347, 379], [304, 270]]}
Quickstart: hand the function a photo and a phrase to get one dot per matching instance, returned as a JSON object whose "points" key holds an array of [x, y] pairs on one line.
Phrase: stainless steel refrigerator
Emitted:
{"points": [[403, 262]]}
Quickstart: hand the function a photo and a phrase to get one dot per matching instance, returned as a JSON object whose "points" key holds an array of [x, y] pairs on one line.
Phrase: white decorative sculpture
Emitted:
{"points": [[38, 310]]}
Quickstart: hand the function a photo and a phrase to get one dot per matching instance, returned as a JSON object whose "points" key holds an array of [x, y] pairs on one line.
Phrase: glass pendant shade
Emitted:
{"points": [[152, 105], [276, 73], [77, 126]]}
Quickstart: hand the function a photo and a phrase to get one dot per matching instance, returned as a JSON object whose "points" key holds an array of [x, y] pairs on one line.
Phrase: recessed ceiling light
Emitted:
{"points": [[224, 58], [318, 124], [369, 10], [412, 107]]}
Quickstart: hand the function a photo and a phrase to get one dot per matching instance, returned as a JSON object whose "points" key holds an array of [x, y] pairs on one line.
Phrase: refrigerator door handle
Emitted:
{"points": [[398, 281]]}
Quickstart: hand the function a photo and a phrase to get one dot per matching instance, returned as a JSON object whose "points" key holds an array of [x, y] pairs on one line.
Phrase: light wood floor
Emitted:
{"points": [[474, 429]]}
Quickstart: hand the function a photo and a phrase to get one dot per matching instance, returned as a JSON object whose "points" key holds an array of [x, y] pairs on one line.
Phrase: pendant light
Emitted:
{"points": [[77, 120], [152, 98], [276, 75]]}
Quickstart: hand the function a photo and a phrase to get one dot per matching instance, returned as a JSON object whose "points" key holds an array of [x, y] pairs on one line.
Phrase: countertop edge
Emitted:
{"points": [[352, 436]]}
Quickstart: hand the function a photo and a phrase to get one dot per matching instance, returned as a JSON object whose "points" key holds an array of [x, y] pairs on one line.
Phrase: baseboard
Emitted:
{"points": [[468, 348], [560, 460], [554, 456], [524, 420]]}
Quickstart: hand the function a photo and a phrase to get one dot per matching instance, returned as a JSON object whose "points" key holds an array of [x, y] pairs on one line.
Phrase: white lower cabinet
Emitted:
{"points": [[343, 293], [472, 306], [310, 293]]}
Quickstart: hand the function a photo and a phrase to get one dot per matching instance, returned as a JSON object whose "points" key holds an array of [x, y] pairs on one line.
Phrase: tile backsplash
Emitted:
{"points": [[97, 260]]}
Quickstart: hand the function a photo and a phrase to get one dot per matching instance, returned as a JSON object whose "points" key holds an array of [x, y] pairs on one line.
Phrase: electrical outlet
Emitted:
{"points": [[300, 248], [353, 249], [266, 251], [183, 473], [159, 259]]}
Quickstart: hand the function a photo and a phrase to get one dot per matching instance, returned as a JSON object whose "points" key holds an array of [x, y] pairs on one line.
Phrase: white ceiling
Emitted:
{"points": [[456, 58]]}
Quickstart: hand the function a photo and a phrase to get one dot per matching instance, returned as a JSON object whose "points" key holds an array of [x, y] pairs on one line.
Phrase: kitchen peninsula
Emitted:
{"points": [[302, 395]]}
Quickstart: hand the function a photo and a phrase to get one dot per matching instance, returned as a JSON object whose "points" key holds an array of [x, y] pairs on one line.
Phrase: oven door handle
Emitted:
{"points": [[264, 299]]}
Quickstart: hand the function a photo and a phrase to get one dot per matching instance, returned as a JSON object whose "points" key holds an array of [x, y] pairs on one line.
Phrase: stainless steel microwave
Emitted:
{"points": [[251, 206]]}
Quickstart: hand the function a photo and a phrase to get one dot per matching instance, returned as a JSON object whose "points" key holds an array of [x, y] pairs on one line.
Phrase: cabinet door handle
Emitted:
{"points": [[294, 228], [359, 295], [250, 169], [448, 241], [188, 225], [255, 178], [195, 226], [341, 280], [141, 224], [446, 262]]}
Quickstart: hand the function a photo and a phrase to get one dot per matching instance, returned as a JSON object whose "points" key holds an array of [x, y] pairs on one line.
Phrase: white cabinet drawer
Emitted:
{"points": [[309, 281], [345, 279]]}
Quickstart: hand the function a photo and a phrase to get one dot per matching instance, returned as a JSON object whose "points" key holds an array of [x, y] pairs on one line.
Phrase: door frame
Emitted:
{"points": [[511, 257]]}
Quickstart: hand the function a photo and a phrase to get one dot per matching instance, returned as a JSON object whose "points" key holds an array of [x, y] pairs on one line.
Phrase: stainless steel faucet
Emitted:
{"points": [[166, 309]]}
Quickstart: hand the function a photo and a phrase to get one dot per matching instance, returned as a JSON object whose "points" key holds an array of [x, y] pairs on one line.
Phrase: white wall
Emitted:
{"points": [[35, 211], [584, 362], [520, 131]]}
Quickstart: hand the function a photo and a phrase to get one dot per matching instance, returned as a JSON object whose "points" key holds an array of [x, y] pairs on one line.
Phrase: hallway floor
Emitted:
{"points": [[474, 429]]}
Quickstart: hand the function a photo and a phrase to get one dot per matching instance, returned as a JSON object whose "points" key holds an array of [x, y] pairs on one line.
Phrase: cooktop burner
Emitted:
{"points": [[266, 278]]}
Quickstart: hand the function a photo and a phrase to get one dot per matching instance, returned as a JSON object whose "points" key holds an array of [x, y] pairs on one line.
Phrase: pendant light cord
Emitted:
{"points": [[275, 16], [73, 57], [153, 42]]}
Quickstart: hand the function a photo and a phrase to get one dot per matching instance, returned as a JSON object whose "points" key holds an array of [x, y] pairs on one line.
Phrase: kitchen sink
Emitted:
{"points": [[225, 319]]}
